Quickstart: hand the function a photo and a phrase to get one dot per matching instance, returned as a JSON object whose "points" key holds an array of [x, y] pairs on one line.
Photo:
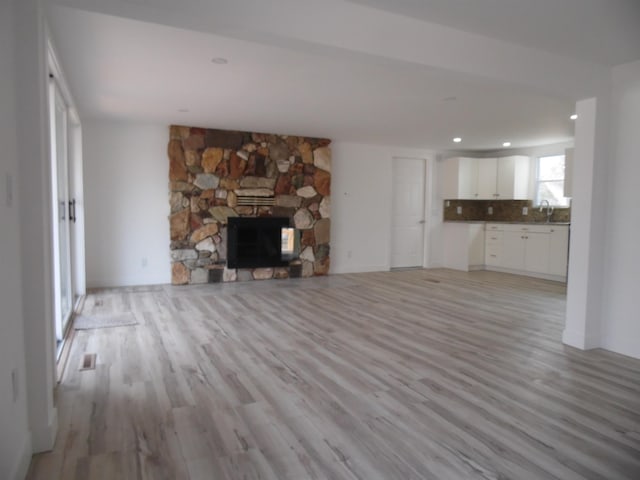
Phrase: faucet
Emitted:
{"points": [[549, 209]]}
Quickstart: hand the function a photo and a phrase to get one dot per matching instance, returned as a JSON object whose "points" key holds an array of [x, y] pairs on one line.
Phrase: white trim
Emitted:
{"points": [[43, 438], [21, 467], [54, 68], [362, 269], [526, 273], [425, 208], [536, 180]]}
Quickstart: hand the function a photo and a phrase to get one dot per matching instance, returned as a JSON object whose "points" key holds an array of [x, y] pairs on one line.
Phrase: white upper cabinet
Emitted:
{"points": [[487, 169], [460, 178], [504, 178], [512, 178]]}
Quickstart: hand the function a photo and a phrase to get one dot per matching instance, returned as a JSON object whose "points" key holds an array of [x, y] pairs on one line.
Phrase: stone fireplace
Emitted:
{"points": [[215, 175]]}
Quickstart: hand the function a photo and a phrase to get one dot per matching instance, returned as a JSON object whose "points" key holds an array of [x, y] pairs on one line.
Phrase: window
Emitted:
{"points": [[550, 181]]}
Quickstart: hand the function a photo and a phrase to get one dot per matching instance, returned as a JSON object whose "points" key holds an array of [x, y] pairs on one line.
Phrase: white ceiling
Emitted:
{"points": [[128, 69], [599, 31]]}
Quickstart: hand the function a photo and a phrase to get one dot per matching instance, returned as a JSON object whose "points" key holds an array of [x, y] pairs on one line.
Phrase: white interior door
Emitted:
{"points": [[407, 224]]}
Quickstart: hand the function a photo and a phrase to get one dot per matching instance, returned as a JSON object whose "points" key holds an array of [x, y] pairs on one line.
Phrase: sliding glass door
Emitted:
{"points": [[62, 209]]}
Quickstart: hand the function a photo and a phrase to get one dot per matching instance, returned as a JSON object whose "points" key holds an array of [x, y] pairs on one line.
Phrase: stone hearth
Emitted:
{"points": [[217, 174]]}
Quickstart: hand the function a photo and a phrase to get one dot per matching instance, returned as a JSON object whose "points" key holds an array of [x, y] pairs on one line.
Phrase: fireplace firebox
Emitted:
{"points": [[256, 242]]}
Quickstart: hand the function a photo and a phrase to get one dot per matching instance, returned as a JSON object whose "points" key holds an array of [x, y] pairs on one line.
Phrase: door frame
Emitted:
{"points": [[75, 191], [427, 203]]}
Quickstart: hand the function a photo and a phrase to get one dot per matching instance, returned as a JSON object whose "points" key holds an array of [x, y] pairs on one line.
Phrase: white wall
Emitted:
{"points": [[15, 440], [361, 190], [620, 329], [126, 176], [35, 219], [127, 208]]}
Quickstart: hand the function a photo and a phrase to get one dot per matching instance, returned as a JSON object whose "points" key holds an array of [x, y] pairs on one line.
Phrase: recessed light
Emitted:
{"points": [[506, 144], [457, 140], [449, 99], [219, 60], [574, 116], [183, 110]]}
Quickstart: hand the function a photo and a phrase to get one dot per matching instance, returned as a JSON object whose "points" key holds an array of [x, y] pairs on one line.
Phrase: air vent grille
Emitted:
{"points": [[256, 201]]}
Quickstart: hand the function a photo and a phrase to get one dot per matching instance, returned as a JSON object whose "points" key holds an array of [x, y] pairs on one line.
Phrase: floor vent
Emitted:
{"points": [[88, 361]]}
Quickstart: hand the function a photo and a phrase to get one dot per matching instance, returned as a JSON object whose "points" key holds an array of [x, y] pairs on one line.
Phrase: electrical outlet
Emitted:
{"points": [[14, 384], [525, 210], [490, 210], [459, 210], [447, 203]]}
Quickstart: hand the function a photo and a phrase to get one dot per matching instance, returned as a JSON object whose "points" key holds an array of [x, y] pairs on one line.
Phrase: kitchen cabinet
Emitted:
{"points": [[559, 250], [460, 178], [504, 178], [493, 245], [487, 183], [512, 178], [464, 246], [513, 250], [539, 250]]}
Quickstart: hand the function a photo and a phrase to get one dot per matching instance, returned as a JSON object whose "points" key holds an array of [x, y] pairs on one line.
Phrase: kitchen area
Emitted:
{"points": [[508, 214]]}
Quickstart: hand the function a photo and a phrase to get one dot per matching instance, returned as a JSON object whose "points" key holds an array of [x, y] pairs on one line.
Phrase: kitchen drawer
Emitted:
{"points": [[524, 228], [493, 238], [492, 255], [494, 227]]}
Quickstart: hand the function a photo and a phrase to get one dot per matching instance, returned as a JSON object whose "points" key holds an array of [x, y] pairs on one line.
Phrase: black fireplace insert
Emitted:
{"points": [[256, 242]]}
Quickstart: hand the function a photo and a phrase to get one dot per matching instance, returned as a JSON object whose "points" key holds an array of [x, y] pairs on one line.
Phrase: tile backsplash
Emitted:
{"points": [[501, 211]]}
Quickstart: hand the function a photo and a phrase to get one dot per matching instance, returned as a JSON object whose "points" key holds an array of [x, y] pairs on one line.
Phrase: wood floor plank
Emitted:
{"points": [[421, 374]]}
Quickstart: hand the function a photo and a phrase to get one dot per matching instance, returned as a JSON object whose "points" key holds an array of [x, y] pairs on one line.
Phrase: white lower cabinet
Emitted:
{"points": [[541, 250], [513, 250], [559, 250], [464, 246]]}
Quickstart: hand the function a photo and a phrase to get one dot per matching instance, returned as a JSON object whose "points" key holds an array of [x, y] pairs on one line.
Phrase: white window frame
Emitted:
{"points": [[537, 181]]}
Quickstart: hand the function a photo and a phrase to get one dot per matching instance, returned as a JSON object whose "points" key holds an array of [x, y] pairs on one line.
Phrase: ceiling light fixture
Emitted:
{"points": [[506, 144], [574, 116], [457, 140], [219, 61]]}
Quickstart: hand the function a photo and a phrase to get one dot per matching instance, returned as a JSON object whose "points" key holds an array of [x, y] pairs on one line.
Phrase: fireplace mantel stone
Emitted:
{"points": [[210, 169]]}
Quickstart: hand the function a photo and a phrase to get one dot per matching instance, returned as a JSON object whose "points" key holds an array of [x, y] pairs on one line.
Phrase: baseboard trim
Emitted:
{"points": [[629, 347], [23, 460], [43, 439], [361, 269], [544, 276]]}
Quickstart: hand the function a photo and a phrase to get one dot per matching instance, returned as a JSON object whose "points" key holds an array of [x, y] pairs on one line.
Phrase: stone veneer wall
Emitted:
{"points": [[210, 169]]}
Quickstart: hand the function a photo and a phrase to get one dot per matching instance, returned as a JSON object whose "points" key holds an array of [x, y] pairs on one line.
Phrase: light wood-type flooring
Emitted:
{"points": [[423, 374]]}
